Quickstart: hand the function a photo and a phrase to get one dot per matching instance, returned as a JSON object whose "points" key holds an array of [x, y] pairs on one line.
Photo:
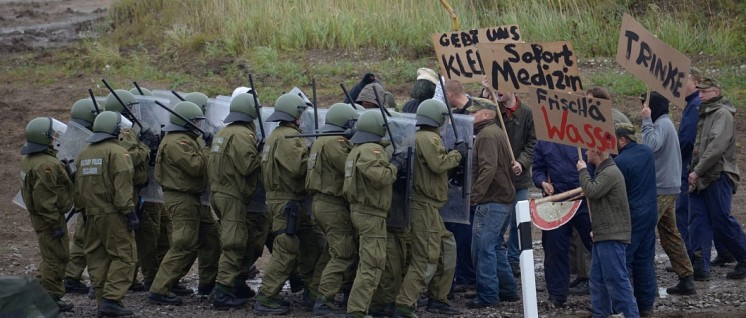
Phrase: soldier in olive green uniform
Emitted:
{"points": [[83, 113], [324, 179], [398, 255], [368, 185], [103, 189], [140, 155], [47, 192], [433, 246], [233, 167], [181, 169], [284, 163]]}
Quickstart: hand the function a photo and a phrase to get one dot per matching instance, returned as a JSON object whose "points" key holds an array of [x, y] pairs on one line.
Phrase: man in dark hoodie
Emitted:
{"points": [[713, 179]]}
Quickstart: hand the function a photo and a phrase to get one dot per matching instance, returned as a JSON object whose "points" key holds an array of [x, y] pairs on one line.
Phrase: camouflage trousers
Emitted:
{"points": [[670, 237], [76, 265]]}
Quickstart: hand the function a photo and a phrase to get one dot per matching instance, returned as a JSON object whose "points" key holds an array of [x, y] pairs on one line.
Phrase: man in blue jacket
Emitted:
{"points": [[635, 161], [554, 171]]}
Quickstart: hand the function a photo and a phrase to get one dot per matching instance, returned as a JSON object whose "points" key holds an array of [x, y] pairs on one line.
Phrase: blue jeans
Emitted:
{"points": [[465, 274], [513, 252], [611, 292], [710, 217], [494, 277]]}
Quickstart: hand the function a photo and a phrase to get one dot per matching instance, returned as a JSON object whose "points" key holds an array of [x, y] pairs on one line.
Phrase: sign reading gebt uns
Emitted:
{"points": [[512, 67], [653, 61], [573, 119], [457, 52]]}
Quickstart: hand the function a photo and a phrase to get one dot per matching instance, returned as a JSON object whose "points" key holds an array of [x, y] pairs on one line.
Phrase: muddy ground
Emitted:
{"points": [[34, 30]]}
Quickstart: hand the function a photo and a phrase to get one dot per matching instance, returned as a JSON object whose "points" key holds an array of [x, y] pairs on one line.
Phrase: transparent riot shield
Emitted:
{"points": [[223, 98], [456, 209], [168, 95], [18, 200], [71, 143], [268, 126], [152, 116], [152, 192], [299, 92], [403, 130], [215, 113], [308, 122]]}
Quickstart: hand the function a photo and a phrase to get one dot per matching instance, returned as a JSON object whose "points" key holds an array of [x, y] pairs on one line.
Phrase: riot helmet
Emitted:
{"points": [[40, 133], [106, 126], [241, 109], [288, 107], [340, 116], [188, 110], [198, 99], [370, 127], [112, 104], [431, 112], [84, 112]]}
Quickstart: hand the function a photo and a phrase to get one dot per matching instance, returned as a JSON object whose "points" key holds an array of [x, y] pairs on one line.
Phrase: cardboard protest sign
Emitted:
{"points": [[653, 61], [457, 52], [572, 119], [514, 67]]}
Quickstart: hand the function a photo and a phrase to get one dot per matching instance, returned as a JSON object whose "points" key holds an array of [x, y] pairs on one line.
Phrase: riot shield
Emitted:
{"points": [[457, 208], [299, 92], [224, 98], [151, 116], [152, 192], [18, 200], [268, 126], [403, 130], [168, 95], [215, 113], [307, 122], [72, 143]]}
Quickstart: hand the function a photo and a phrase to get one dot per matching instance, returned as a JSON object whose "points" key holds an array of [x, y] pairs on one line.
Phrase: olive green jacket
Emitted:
{"points": [[139, 154], [47, 190], [607, 199], [181, 163], [326, 166], [369, 180], [522, 136], [233, 162], [284, 163], [103, 183], [715, 146], [431, 166]]}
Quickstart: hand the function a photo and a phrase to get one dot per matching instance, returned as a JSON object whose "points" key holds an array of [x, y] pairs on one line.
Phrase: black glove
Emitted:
{"points": [[399, 161], [133, 223], [461, 147], [58, 233], [208, 138], [260, 146]]}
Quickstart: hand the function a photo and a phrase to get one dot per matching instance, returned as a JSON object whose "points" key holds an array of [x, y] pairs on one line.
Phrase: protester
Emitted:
{"points": [[634, 161], [553, 173], [423, 89], [611, 291], [713, 180], [659, 133], [493, 194]]}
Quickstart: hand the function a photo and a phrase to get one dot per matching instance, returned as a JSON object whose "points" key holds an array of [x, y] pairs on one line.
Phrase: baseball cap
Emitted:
{"points": [[625, 130]]}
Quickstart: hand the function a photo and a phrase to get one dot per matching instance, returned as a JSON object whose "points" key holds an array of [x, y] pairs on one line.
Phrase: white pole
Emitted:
{"points": [[528, 276]]}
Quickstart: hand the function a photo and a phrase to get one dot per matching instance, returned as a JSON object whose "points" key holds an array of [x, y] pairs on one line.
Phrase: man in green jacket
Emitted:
{"points": [[103, 189], [284, 163], [433, 246], [368, 186], [324, 179], [181, 169], [48, 194], [233, 167]]}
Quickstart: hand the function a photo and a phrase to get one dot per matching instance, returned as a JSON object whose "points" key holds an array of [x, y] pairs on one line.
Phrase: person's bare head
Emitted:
{"points": [[693, 79], [456, 93]]}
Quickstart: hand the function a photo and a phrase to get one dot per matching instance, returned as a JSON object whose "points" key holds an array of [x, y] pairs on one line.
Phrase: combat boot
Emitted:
{"points": [[404, 312], [243, 291], [684, 287], [324, 308], [739, 272], [723, 259], [386, 311], [296, 283], [167, 299], [699, 269], [205, 290], [74, 286], [223, 299], [268, 306], [63, 305], [180, 290], [442, 308], [110, 308]]}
